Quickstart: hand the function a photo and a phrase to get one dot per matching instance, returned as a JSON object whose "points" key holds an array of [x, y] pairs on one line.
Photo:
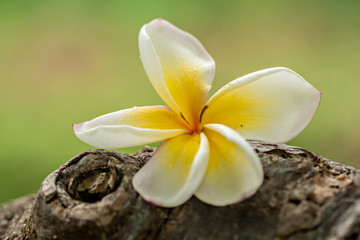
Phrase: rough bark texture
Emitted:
{"points": [[304, 196]]}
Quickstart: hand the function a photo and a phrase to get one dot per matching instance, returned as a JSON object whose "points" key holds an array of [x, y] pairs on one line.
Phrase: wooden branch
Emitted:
{"points": [[304, 196]]}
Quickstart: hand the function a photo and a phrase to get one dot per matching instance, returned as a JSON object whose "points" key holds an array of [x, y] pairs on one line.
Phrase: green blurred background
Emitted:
{"points": [[64, 62]]}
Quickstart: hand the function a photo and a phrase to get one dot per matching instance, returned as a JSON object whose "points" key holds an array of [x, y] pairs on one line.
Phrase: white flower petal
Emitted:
{"points": [[272, 105], [130, 127], [234, 170], [175, 170], [178, 67], [153, 69]]}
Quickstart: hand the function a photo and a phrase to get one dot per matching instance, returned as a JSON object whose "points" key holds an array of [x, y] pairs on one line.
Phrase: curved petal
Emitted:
{"points": [[271, 105], [175, 170], [234, 171], [178, 67], [130, 127]]}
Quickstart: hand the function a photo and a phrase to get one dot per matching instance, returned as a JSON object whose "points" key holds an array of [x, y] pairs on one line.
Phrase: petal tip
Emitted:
{"points": [[316, 105], [152, 201], [76, 126], [157, 22], [246, 195], [147, 198]]}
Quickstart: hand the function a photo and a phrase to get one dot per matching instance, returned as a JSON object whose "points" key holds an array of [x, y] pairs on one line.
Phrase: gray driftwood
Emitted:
{"points": [[304, 196]]}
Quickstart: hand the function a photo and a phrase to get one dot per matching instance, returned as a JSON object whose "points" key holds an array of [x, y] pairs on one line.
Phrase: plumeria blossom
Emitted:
{"points": [[205, 152]]}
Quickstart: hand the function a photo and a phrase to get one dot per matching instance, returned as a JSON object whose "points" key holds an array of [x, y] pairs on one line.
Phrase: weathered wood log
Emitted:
{"points": [[304, 196]]}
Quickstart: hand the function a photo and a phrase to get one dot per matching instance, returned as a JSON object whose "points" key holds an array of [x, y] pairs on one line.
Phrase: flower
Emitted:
{"points": [[205, 152]]}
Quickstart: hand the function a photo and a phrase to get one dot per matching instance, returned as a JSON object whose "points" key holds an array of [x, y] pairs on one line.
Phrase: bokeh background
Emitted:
{"points": [[64, 62]]}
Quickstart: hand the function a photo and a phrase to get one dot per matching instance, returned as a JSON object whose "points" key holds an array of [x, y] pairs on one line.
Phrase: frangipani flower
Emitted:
{"points": [[205, 152]]}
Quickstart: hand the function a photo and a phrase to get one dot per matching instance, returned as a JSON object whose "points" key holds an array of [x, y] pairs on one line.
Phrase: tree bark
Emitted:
{"points": [[304, 196]]}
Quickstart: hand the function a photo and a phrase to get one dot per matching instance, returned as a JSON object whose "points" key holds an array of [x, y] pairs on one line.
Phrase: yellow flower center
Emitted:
{"points": [[195, 126]]}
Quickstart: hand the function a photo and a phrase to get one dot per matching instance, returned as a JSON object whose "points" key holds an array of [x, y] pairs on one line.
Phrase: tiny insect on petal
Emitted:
{"points": [[271, 105]]}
